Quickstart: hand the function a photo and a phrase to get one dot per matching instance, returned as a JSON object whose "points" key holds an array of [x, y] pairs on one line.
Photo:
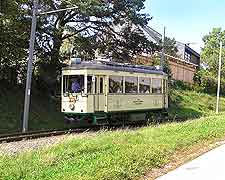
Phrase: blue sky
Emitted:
{"points": [[186, 21]]}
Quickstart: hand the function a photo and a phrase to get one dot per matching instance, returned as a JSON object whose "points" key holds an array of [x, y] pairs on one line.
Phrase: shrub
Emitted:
{"points": [[205, 82], [180, 85]]}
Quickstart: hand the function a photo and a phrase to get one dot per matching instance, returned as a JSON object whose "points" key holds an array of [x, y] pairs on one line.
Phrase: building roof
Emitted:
{"points": [[152, 35], [186, 48], [192, 51], [156, 37]]}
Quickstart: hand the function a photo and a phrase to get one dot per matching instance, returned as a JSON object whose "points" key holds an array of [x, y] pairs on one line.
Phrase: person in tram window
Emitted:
{"points": [[146, 90], [75, 87]]}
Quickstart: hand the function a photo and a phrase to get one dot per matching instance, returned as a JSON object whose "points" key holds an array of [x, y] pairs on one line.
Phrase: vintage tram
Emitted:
{"points": [[100, 92]]}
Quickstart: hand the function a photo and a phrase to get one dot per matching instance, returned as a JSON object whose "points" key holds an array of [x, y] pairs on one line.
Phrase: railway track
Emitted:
{"points": [[4, 138], [43, 133]]}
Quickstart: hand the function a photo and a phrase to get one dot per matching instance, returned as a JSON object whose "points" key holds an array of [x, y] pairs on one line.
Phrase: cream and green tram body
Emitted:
{"points": [[112, 93]]}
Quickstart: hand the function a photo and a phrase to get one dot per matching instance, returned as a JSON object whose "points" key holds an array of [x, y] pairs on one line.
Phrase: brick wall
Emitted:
{"points": [[181, 70]]}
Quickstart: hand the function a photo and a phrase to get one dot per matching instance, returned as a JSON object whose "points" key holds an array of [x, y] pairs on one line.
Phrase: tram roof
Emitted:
{"points": [[103, 65]]}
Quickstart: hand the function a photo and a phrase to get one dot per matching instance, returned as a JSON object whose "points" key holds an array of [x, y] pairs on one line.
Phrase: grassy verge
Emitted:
{"points": [[124, 154], [44, 111], [190, 104]]}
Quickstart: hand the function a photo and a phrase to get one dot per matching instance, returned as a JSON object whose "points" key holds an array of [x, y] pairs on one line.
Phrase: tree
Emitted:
{"points": [[110, 26], [170, 46], [13, 39], [211, 49], [170, 49]]}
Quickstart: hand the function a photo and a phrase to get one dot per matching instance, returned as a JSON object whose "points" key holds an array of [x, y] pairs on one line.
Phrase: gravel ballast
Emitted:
{"points": [[31, 144]]}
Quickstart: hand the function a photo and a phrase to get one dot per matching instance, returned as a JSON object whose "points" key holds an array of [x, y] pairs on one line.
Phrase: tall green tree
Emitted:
{"points": [[211, 49], [170, 46], [13, 39], [112, 27], [170, 49]]}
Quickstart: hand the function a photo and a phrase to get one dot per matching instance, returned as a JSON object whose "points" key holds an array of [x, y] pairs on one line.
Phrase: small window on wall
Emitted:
{"points": [[144, 85], [131, 84], [187, 56], [156, 86], [115, 84]]}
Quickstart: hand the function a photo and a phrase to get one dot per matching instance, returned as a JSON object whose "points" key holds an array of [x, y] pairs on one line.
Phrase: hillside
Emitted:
{"points": [[190, 104], [45, 111], [118, 154], [123, 154]]}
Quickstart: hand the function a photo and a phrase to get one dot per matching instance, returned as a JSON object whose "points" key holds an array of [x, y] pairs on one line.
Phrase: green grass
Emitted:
{"points": [[122, 154], [44, 111], [190, 104]]}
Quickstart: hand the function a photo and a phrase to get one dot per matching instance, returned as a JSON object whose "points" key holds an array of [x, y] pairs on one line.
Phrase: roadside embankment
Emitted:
{"points": [[121, 154]]}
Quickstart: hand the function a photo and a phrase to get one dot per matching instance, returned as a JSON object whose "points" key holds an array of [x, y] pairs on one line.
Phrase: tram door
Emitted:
{"points": [[99, 93]]}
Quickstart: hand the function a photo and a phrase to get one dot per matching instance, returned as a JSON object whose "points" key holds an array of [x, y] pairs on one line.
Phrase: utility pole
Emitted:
{"points": [[162, 59], [30, 67], [31, 56], [219, 74]]}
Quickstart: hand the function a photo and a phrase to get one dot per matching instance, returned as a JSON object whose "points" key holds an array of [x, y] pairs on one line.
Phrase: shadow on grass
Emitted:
{"points": [[182, 114]]}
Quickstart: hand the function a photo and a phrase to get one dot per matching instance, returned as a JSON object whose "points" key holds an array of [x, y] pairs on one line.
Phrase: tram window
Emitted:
{"points": [[164, 86], [101, 85], [96, 85], [156, 86], [144, 85], [72, 84], [90, 88], [131, 84], [115, 84]]}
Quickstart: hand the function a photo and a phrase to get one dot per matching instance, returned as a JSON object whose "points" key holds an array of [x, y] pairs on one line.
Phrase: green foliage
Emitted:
{"points": [[170, 49], [170, 46], [207, 82], [113, 27], [123, 154], [13, 39], [167, 69], [187, 104], [180, 85], [44, 111], [210, 52]]}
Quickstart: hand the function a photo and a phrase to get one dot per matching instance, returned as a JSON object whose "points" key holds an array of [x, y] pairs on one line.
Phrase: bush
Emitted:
{"points": [[205, 82], [180, 85]]}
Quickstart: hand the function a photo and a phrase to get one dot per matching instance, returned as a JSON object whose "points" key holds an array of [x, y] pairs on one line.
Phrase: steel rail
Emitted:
{"points": [[13, 137], [5, 138]]}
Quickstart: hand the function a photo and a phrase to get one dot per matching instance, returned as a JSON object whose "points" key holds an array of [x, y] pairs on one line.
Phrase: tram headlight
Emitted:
{"points": [[72, 106]]}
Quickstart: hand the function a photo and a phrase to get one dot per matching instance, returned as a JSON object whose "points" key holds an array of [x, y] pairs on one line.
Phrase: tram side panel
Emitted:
{"points": [[117, 103]]}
